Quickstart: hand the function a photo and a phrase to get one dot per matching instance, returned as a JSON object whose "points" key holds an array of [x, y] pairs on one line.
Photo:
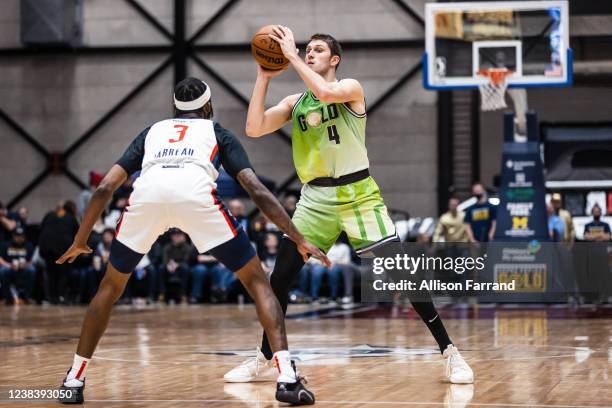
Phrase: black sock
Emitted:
{"points": [[424, 306], [288, 264]]}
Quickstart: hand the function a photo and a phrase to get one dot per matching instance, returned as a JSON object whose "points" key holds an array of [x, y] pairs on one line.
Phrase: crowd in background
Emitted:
{"points": [[174, 272], [477, 223]]}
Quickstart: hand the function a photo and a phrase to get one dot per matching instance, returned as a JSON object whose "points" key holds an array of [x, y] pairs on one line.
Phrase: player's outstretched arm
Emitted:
{"points": [[261, 121], [115, 177], [269, 205]]}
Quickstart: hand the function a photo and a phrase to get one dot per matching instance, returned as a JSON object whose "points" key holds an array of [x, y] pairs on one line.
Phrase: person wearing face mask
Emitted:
{"points": [[597, 287], [597, 230], [480, 218]]}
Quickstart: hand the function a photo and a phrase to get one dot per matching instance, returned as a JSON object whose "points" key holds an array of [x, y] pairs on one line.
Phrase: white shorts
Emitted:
{"points": [[183, 198]]}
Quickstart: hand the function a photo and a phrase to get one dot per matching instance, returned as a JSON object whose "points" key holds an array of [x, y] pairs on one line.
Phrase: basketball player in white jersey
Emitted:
{"points": [[179, 160]]}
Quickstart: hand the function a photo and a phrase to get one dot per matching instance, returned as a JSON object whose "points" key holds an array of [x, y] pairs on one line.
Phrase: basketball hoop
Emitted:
{"points": [[493, 91]]}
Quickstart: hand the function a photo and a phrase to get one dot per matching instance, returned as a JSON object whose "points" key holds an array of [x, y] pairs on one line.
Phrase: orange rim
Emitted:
{"points": [[497, 76]]}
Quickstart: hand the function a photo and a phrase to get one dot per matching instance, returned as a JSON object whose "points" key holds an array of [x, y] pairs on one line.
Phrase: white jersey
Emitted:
{"points": [[176, 142], [179, 161]]}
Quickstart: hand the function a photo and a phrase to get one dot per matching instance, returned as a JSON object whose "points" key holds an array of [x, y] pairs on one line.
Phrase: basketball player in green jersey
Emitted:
{"points": [[330, 156]]}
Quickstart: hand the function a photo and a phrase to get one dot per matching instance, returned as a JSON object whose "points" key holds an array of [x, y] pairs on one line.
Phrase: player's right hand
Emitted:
{"points": [[269, 73], [307, 249], [73, 252]]}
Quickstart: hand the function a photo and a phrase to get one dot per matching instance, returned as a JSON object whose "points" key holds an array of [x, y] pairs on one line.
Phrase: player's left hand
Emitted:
{"points": [[73, 252], [307, 249], [284, 37]]}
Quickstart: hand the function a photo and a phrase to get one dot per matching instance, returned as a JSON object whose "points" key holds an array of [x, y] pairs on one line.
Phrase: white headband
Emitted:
{"points": [[196, 103]]}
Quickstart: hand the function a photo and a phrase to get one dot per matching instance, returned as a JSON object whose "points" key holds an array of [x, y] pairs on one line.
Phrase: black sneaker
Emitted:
{"points": [[294, 393], [71, 395]]}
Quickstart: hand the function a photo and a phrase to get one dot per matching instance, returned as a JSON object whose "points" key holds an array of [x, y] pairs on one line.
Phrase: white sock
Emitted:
{"points": [[282, 360], [78, 370]]}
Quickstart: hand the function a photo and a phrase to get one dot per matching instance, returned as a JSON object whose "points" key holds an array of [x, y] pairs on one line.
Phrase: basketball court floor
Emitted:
{"points": [[360, 356]]}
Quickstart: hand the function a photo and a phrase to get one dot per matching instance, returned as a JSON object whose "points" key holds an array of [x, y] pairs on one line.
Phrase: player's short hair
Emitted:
{"points": [[332, 43], [190, 90]]}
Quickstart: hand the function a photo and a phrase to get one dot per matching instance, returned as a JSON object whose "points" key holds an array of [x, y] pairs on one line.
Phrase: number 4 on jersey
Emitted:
{"points": [[333, 135], [182, 129]]}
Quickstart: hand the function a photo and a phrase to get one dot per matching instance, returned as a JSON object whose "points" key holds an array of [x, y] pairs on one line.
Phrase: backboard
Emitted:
{"points": [[530, 38]]}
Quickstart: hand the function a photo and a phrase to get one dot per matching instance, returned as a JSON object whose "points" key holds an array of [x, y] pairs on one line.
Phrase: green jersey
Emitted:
{"points": [[328, 139]]}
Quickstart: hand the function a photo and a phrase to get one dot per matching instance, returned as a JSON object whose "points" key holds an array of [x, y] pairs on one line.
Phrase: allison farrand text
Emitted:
{"points": [[438, 285]]}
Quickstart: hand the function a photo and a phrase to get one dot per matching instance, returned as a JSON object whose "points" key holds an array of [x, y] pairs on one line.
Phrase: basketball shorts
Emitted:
{"points": [[179, 198], [358, 209]]}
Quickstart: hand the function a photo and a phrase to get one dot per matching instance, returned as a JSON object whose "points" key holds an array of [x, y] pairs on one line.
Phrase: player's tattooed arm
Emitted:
{"points": [[100, 198], [269, 205]]}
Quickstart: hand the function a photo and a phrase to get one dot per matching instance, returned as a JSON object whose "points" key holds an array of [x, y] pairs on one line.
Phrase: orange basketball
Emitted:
{"points": [[266, 51]]}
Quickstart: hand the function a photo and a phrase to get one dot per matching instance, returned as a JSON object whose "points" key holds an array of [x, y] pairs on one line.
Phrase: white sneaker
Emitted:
{"points": [[457, 370], [253, 369], [347, 300]]}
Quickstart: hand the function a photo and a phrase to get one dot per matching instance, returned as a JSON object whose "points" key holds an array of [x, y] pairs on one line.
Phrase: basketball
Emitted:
{"points": [[266, 51]]}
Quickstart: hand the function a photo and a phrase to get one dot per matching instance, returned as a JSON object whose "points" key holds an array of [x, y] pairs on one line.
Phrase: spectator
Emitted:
{"points": [[569, 234], [31, 230], [114, 215], [208, 268], [269, 252], [597, 230], [298, 294], [451, 227], [236, 207], [317, 270], [556, 226], [7, 224], [597, 287], [57, 230], [99, 261], [143, 282], [340, 256], [16, 268], [155, 256], [480, 217], [123, 192], [96, 233], [85, 196], [175, 261], [257, 228], [289, 204], [260, 227]]}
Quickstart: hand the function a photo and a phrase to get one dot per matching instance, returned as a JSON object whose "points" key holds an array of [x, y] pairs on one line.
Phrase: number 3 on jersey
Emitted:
{"points": [[333, 135], [181, 130]]}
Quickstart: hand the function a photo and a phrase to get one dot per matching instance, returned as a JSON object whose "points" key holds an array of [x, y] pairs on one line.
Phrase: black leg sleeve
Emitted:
{"points": [[423, 305], [288, 264]]}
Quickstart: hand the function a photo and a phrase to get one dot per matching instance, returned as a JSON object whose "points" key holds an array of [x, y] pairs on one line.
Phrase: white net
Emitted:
{"points": [[492, 93]]}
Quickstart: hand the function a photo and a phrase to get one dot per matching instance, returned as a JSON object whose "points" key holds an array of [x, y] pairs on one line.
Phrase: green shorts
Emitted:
{"points": [[357, 209]]}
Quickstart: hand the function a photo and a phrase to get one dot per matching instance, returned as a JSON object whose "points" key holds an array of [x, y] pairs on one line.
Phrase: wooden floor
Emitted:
{"points": [[175, 356]]}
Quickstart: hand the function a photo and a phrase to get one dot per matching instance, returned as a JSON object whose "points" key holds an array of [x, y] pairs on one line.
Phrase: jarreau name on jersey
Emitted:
{"points": [[174, 152]]}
